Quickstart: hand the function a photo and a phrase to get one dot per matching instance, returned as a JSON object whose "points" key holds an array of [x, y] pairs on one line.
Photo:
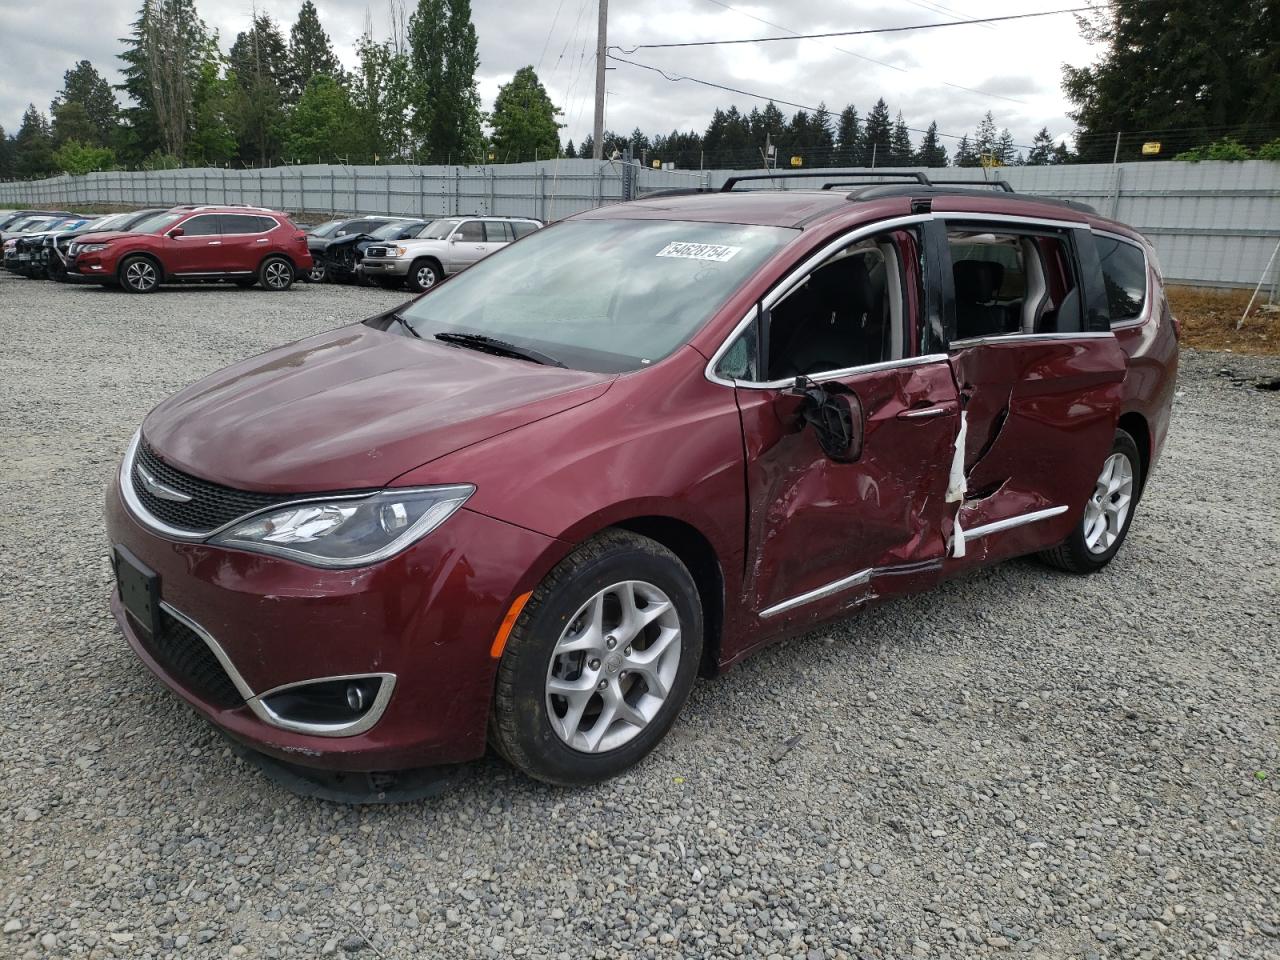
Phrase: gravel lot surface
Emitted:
{"points": [[1019, 763]]}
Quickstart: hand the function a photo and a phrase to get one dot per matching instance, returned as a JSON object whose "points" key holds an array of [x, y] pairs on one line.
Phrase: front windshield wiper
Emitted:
{"points": [[504, 348], [406, 324]]}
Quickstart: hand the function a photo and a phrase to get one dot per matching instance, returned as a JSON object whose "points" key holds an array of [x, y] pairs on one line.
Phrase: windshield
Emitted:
{"points": [[326, 228], [390, 230], [604, 295], [112, 222], [157, 223], [438, 230]]}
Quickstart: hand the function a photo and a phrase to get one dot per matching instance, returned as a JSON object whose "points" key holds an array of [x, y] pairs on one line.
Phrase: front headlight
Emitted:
{"points": [[348, 532], [90, 247], [399, 251]]}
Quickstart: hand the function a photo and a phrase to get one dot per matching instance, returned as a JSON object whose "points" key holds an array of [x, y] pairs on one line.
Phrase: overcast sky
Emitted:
{"points": [[1012, 69]]}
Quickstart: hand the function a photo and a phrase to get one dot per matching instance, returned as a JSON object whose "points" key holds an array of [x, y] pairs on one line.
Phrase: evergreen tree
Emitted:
{"points": [[966, 155], [33, 146], [83, 87], [310, 52], [320, 127], [1041, 153], [6, 155], [932, 152], [824, 143], [259, 62], [985, 137], [1005, 152], [877, 136], [1179, 63], [901, 153], [849, 138], [524, 120], [570, 150], [443, 57], [586, 147]]}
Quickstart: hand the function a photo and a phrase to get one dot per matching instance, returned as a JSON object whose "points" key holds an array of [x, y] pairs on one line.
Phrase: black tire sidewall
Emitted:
{"points": [[413, 275], [262, 274], [122, 274], [537, 748]]}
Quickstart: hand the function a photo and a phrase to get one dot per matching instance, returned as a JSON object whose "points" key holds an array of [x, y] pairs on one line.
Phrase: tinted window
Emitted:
{"points": [[157, 223], [244, 223], [472, 230], [523, 228], [438, 230], [1124, 270], [497, 231], [604, 295], [200, 226], [359, 226], [1009, 283]]}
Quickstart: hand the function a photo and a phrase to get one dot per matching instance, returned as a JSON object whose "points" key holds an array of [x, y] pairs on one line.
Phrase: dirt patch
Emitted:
{"points": [[1209, 319]]}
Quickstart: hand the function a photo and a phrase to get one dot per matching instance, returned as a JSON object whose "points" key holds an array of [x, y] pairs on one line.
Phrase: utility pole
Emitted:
{"points": [[602, 33]]}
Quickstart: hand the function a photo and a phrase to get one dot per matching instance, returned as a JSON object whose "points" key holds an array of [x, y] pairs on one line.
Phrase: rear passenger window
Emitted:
{"points": [[523, 228], [472, 230], [244, 223], [1010, 283], [205, 226], [497, 231], [1124, 270]]}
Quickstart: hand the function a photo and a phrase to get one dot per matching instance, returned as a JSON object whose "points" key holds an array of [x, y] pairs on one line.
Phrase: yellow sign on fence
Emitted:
{"points": [[797, 161], [1151, 148]]}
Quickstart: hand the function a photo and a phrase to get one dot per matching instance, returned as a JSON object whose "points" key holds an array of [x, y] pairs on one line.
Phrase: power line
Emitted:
{"points": [[858, 33]]}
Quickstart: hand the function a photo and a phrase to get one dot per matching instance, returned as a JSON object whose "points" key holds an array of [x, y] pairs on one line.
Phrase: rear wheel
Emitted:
{"points": [[317, 273], [599, 663], [423, 275], [139, 274], [276, 273], [1107, 514]]}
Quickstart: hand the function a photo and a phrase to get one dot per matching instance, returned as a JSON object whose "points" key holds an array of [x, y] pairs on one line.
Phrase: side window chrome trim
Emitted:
{"points": [[1008, 218], [1023, 337], [1147, 312], [791, 280]]}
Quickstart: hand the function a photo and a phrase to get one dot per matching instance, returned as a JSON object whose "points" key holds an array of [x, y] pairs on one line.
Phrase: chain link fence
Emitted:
{"points": [[1213, 223]]}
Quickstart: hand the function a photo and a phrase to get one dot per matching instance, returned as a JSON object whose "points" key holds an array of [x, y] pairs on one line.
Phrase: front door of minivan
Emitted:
{"points": [[827, 532], [1039, 376]]}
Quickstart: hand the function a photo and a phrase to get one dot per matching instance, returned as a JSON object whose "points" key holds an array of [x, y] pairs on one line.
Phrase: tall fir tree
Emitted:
{"points": [[966, 155], [443, 53], [932, 153], [84, 87], [901, 153], [877, 136], [310, 52], [6, 155], [524, 120], [33, 146], [985, 137], [259, 62], [849, 138]]}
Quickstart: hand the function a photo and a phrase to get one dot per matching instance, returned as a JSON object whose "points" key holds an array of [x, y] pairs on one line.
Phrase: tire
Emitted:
{"points": [[423, 275], [276, 274], [1107, 515], [318, 273], [139, 274], [547, 735]]}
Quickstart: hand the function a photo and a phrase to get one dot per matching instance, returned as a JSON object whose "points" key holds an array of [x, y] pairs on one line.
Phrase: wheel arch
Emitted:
{"points": [[130, 254], [277, 255], [1135, 424]]}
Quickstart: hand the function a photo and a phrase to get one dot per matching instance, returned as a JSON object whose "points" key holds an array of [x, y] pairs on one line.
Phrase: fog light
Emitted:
{"points": [[324, 705], [355, 697]]}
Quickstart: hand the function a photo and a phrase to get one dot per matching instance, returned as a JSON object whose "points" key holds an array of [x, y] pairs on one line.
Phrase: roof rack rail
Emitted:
{"points": [[880, 190], [789, 175], [999, 184]]}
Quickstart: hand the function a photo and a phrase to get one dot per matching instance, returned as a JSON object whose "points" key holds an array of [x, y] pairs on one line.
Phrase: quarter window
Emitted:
{"points": [[497, 231], [523, 228], [1009, 283], [1124, 271], [244, 223]]}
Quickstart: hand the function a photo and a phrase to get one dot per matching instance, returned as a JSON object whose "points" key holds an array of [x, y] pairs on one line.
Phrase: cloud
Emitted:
{"points": [[1017, 61]]}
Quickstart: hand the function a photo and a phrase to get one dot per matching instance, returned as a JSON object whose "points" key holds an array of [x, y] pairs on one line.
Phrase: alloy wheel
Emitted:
{"points": [[317, 273], [426, 277], [613, 667], [277, 275], [1108, 507], [140, 275]]}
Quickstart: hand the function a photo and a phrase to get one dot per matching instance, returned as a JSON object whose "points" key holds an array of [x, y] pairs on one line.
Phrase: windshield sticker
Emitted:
{"points": [[699, 251]]}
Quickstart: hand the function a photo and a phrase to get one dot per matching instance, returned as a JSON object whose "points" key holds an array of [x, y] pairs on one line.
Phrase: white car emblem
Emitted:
{"points": [[158, 489]]}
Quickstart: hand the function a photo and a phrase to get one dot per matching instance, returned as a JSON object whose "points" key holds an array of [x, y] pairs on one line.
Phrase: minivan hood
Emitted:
{"points": [[352, 409]]}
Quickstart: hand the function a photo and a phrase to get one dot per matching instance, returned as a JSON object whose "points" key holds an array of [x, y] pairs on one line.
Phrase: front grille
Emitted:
{"points": [[211, 506], [376, 252], [188, 659]]}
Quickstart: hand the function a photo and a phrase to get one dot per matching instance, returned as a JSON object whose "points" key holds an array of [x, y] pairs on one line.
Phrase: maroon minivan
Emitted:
{"points": [[529, 507]]}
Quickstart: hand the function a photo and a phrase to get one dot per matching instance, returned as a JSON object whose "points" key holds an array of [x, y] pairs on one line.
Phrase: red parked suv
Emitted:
{"points": [[529, 507], [246, 245]]}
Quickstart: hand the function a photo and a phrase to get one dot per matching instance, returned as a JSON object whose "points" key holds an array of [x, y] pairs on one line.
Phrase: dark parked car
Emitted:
{"points": [[246, 245], [334, 253], [10, 219], [25, 234], [531, 506], [28, 249]]}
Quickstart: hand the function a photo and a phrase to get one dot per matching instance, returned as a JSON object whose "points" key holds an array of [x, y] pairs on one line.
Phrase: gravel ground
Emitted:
{"points": [[1020, 762]]}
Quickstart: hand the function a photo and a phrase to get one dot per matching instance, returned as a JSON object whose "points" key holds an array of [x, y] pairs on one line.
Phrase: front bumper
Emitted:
{"points": [[383, 268], [426, 616]]}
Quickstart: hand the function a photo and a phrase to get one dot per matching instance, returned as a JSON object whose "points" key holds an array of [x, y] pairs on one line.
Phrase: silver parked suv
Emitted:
{"points": [[444, 248]]}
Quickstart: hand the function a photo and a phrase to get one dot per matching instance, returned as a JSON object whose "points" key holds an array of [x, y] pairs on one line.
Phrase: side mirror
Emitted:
{"points": [[176, 232], [835, 413]]}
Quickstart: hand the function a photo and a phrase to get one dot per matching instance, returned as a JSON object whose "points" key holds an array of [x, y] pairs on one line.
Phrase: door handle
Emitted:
{"points": [[263, 240], [925, 413], [215, 243]]}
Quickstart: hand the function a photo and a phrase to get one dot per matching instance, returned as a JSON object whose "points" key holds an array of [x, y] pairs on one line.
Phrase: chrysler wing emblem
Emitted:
{"points": [[159, 489]]}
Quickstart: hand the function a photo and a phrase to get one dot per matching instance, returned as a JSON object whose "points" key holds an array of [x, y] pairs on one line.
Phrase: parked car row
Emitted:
{"points": [[140, 251]]}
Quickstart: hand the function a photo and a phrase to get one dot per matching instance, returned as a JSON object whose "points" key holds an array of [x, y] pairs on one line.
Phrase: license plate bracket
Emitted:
{"points": [[139, 589]]}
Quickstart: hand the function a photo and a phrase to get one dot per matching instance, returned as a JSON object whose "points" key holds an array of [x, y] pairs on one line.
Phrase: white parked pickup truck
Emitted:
{"points": [[447, 246]]}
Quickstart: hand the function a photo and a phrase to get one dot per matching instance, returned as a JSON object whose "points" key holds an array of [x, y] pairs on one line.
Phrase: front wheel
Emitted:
{"points": [[423, 275], [1107, 514], [276, 273], [139, 275], [599, 663]]}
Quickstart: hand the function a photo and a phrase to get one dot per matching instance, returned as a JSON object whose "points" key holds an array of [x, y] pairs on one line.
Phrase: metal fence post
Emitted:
{"points": [[457, 192], [493, 193], [389, 210], [333, 200]]}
